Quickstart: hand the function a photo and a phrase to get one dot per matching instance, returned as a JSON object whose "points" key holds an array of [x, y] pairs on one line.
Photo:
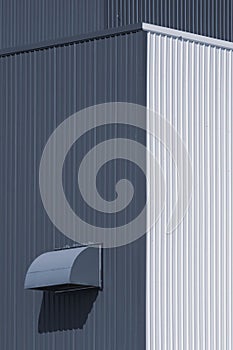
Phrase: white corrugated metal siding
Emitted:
{"points": [[189, 272]]}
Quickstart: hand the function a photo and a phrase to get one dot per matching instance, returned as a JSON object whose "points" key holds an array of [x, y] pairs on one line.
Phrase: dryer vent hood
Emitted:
{"points": [[66, 269]]}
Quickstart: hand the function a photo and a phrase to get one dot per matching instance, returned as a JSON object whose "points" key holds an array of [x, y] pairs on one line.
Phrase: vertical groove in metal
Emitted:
{"points": [[189, 276], [39, 90]]}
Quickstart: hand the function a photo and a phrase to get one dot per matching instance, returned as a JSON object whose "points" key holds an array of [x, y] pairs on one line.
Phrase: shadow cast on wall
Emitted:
{"points": [[65, 311]]}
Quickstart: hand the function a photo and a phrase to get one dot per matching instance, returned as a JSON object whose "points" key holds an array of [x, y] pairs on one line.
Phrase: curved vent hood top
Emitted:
{"points": [[66, 269]]}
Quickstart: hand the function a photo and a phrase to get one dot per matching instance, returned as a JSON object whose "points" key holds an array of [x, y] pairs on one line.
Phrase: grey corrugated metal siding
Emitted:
{"points": [[209, 17], [39, 90], [31, 21]]}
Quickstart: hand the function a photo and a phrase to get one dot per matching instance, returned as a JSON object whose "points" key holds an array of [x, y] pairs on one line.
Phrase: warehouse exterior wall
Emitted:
{"points": [[26, 22], [190, 83], [39, 90]]}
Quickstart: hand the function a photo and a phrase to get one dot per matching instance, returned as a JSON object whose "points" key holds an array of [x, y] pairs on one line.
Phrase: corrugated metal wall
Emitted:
{"points": [[32, 21], [208, 17], [39, 89], [190, 270]]}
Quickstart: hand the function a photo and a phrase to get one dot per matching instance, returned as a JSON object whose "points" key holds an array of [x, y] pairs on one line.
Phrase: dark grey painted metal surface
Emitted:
{"points": [[205, 17], [25, 22], [31, 21], [39, 90]]}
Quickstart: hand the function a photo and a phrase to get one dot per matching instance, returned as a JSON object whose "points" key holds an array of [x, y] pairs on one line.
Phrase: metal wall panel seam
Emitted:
{"points": [[71, 40], [118, 31]]}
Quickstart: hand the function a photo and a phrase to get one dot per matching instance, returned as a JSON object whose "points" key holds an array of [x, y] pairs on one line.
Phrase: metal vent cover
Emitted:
{"points": [[66, 269]]}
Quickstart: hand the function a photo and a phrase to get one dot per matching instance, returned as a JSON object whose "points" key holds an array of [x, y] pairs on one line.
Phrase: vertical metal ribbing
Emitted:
{"points": [[209, 18], [189, 281], [39, 90], [30, 21]]}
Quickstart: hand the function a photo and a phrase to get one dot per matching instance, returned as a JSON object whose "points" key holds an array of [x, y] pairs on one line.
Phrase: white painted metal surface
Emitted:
{"points": [[200, 39], [189, 272]]}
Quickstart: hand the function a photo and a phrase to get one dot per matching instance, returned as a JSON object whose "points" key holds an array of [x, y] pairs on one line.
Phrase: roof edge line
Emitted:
{"points": [[187, 36], [71, 40]]}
